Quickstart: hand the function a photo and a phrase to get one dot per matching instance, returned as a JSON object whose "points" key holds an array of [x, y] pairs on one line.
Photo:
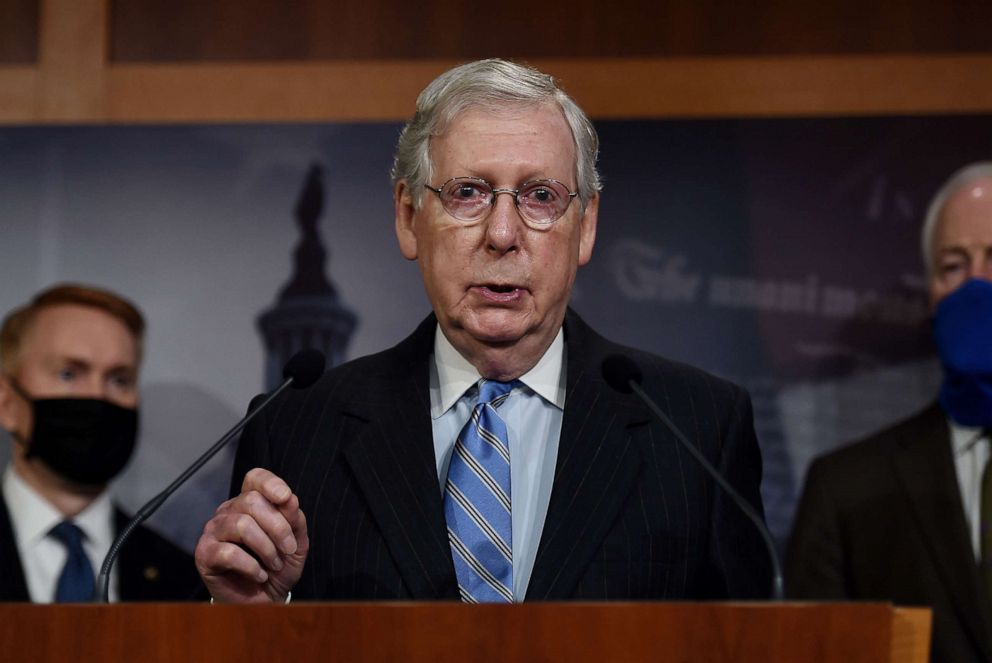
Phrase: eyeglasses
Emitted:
{"points": [[541, 202]]}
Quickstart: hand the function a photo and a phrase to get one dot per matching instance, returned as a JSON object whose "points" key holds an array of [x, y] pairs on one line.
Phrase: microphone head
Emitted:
{"points": [[305, 368], [619, 371]]}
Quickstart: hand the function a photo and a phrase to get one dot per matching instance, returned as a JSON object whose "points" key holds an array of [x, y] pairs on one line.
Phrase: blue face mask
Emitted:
{"points": [[962, 329]]}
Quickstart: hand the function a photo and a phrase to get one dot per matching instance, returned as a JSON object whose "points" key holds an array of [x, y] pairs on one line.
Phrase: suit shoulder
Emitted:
{"points": [[153, 568], [865, 458], [371, 372], [689, 374], [663, 375], [657, 370]]}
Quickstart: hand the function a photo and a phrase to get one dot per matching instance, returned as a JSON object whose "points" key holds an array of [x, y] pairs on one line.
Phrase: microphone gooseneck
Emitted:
{"points": [[623, 374], [302, 370]]}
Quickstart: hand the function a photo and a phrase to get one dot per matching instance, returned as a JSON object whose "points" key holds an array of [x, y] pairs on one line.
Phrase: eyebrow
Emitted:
{"points": [[62, 360], [87, 364]]}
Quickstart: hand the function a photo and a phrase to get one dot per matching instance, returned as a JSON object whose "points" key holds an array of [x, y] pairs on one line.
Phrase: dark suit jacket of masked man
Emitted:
{"points": [[882, 520]]}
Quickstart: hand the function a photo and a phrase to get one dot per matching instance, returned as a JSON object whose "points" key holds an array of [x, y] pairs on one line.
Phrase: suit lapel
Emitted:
{"points": [[13, 586], [392, 457], [596, 468], [925, 467]]}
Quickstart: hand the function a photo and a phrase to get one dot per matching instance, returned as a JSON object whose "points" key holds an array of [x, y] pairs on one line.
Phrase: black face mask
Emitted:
{"points": [[85, 440]]}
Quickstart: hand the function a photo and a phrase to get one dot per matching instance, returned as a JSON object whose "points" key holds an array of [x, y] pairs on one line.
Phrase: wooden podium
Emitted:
{"points": [[442, 632]]}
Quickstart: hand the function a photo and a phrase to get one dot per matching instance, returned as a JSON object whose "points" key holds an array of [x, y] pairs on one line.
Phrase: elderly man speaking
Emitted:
{"points": [[484, 458]]}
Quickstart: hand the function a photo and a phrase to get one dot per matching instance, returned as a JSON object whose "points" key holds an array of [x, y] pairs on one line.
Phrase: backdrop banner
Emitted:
{"points": [[783, 254]]}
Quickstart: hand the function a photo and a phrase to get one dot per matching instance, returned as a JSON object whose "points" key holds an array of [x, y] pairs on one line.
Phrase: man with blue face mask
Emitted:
{"points": [[906, 515], [69, 397]]}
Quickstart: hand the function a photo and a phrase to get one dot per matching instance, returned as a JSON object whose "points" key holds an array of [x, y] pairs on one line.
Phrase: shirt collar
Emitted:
{"points": [[455, 375], [33, 517], [964, 438]]}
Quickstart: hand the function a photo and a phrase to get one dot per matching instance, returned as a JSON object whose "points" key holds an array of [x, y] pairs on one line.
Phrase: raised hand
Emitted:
{"points": [[254, 547]]}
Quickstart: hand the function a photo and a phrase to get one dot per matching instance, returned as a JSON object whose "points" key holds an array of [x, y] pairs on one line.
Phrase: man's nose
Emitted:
{"points": [[92, 387], [504, 224], [981, 268]]}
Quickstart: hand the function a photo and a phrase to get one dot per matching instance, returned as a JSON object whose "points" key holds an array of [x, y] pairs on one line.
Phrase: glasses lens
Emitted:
{"points": [[543, 201], [466, 198]]}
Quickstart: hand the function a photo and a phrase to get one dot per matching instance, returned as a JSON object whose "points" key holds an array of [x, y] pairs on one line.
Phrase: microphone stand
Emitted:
{"points": [[102, 593], [778, 591]]}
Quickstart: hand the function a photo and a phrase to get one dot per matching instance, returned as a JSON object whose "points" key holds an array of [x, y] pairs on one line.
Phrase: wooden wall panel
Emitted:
{"points": [[72, 60], [18, 31], [192, 30], [605, 88], [297, 60]]}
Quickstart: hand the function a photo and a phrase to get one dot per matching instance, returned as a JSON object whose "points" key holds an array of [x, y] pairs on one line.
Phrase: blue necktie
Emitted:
{"points": [[477, 502], [76, 583]]}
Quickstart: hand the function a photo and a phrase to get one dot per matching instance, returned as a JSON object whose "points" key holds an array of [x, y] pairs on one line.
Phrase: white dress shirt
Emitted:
{"points": [[533, 416], [42, 556], [971, 452]]}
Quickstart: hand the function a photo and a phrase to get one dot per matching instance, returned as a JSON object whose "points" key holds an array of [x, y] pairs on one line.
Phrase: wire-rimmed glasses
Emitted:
{"points": [[469, 199]]}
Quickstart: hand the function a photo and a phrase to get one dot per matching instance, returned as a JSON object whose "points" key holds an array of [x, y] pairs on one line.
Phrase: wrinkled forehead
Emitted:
{"points": [[502, 108], [449, 122], [538, 128], [75, 331]]}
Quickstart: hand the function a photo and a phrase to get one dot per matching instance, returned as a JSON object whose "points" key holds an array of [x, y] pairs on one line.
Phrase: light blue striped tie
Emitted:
{"points": [[477, 502]]}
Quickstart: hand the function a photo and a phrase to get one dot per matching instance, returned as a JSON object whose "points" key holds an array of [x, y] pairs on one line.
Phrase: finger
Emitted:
{"points": [[299, 525], [242, 529], [268, 484], [224, 506], [291, 511], [260, 513], [224, 559], [279, 494], [288, 507], [258, 541]]}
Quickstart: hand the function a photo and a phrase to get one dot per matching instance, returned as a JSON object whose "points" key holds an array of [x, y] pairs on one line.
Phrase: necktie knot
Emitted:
{"points": [[69, 534], [495, 393]]}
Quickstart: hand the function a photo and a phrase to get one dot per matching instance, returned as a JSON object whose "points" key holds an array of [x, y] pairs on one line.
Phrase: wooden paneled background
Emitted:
{"points": [[311, 60]]}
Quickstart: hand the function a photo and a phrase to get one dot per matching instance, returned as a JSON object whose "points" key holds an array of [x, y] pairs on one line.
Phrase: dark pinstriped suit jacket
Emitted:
{"points": [[883, 520], [631, 516]]}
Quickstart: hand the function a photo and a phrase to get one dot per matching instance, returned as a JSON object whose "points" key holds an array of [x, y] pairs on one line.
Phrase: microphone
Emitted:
{"points": [[624, 375], [302, 370]]}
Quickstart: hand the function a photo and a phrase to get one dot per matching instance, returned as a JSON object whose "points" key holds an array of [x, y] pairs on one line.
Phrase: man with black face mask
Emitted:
{"points": [[906, 515], [68, 397]]}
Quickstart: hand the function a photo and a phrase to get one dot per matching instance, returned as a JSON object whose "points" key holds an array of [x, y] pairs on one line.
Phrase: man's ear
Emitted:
{"points": [[8, 404], [405, 212], [587, 229]]}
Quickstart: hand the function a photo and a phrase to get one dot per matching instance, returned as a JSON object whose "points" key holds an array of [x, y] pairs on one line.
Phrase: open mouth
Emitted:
{"points": [[500, 288], [504, 293]]}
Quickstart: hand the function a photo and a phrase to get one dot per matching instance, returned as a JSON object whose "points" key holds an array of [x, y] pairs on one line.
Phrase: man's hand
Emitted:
{"points": [[253, 549]]}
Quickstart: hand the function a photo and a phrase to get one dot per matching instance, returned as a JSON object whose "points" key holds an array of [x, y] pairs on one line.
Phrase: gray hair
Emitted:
{"points": [[962, 178], [489, 84]]}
